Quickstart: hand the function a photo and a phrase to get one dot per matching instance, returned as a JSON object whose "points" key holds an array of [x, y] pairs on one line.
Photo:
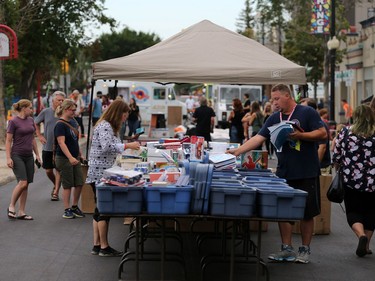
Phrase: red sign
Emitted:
{"points": [[8, 43]]}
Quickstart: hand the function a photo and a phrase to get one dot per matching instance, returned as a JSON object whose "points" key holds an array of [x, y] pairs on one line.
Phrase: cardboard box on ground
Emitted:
{"points": [[322, 222], [87, 195]]}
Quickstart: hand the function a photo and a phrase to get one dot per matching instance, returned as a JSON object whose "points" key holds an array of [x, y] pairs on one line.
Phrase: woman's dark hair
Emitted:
{"points": [[237, 105], [255, 107]]}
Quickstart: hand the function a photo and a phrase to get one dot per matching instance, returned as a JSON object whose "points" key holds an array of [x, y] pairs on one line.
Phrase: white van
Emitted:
{"points": [[152, 98], [224, 95]]}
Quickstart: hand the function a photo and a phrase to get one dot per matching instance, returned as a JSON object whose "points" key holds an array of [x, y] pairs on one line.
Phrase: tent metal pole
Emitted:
{"points": [[115, 89], [90, 115]]}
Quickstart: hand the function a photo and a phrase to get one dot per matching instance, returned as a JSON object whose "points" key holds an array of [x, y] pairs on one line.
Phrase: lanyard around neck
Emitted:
{"points": [[290, 115]]}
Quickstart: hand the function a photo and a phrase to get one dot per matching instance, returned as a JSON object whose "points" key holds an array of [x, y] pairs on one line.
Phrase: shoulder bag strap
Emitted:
{"points": [[75, 131]]}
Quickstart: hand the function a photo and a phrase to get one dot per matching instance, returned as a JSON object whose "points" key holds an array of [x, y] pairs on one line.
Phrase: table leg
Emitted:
{"points": [[232, 250], [162, 250], [137, 230], [259, 243]]}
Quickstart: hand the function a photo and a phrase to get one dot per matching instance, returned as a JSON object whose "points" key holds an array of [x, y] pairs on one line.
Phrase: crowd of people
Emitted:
{"points": [[61, 154], [352, 148]]}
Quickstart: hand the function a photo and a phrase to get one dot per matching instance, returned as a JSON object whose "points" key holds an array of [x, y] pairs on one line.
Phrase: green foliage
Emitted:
{"points": [[118, 44], [49, 31], [291, 18], [302, 47], [245, 22], [46, 31]]}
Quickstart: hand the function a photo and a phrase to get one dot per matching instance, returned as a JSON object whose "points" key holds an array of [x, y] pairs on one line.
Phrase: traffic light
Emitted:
{"points": [[64, 66]]}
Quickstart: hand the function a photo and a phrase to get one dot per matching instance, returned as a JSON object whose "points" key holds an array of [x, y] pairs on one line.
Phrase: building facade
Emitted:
{"points": [[355, 75]]}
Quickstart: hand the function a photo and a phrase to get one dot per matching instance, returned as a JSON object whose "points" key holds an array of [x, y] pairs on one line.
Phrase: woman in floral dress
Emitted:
{"points": [[355, 153]]}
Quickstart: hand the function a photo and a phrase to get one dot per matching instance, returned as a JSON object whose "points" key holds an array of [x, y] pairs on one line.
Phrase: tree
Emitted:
{"points": [[245, 22], [46, 30], [308, 49], [273, 12], [118, 44], [302, 47]]}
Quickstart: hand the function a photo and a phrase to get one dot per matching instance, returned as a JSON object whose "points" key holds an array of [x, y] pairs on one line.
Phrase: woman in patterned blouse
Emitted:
{"points": [[355, 153], [105, 147]]}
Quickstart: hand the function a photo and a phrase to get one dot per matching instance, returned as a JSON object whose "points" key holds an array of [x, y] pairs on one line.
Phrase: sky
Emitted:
{"points": [[168, 17]]}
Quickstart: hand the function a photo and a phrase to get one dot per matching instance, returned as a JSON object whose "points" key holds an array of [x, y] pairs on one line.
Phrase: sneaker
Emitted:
{"points": [[286, 254], [95, 250], [68, 214], [303, 254], [109, 252], [77, 212]]}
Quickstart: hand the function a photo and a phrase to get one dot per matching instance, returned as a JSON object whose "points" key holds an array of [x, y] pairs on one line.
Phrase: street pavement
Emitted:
{"points": [[52, 248]]}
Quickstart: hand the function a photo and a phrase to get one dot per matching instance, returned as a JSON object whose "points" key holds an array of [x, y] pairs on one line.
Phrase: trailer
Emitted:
{"points": [[153, 99], [223, 96]]}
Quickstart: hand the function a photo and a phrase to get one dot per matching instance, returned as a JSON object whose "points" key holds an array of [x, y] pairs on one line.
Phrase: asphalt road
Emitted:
{"points": [[53, 248]]}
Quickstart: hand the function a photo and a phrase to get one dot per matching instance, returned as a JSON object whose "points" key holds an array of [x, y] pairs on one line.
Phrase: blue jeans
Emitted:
{"points": [[133, 125], [122, 130]]}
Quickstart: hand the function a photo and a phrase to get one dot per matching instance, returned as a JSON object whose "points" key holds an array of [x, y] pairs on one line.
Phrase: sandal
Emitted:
{"points": [[11, 215], [55, 197], [25, 218]]}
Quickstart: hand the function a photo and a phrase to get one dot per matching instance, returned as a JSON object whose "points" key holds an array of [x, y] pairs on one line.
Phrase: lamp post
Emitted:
{"points": [[332, 45]]}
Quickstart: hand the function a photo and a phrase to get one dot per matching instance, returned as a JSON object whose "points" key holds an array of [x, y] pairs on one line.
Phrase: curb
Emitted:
{"points": [[7, 179]]}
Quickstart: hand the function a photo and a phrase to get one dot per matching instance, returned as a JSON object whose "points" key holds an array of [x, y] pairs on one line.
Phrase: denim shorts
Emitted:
{"points": [[23, 167], [71, 176]]}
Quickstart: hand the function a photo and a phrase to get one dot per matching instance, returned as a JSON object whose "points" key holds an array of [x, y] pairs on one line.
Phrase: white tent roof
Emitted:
{"points": [[203, 53]]}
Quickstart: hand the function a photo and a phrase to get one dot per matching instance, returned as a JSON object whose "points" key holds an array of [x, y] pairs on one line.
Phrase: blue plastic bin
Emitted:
{"points": [[119, 200], [168, 200], [202, 187], [229, 183], [232, 202], [256, 173], [249, 179], [281, 203]]}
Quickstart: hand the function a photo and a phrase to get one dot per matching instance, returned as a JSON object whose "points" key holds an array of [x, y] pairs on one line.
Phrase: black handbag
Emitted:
{"points": [[336, 191]]}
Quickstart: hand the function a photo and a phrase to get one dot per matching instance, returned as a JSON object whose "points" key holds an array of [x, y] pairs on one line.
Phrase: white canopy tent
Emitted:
{"points": [[203, 53]]}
